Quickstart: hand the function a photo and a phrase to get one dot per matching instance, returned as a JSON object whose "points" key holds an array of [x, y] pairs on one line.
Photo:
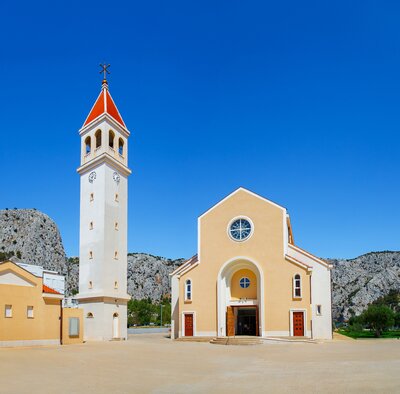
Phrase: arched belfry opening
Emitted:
{"points": [[121, 146], [88, 145], [111, 137], [97, 136], [240, 299]]}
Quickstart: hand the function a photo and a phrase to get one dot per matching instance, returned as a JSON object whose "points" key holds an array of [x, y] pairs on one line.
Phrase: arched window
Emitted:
{"points": [[297, 286], [115, 314], [111, 136], [89, 315], [88, 145], [188, 290], [121, 146], [98, 138]]}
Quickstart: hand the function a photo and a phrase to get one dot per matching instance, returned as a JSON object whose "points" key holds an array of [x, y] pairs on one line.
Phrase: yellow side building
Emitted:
{"points": [[31, 312]]}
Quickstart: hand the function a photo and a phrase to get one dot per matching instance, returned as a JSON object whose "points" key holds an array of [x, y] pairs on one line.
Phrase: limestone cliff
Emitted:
{"points": [[358, 282]]}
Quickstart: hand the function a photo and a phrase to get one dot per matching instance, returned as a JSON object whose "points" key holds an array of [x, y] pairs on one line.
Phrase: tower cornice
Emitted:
{"points": [[104, 118], [104, 158]]}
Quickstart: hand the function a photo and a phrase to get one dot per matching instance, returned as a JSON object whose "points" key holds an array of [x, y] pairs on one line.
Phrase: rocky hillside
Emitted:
{"points": [[358, 282], [148, 275], [33, 237]]}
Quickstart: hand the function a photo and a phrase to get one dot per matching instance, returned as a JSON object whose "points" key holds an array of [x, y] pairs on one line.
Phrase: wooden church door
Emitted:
{"points": [[230, 322]]}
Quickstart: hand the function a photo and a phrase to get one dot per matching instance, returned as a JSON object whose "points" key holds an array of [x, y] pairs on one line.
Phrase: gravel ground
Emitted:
{"points": [[153, 363]]}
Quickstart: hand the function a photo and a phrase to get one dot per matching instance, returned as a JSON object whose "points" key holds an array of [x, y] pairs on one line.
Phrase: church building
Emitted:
{"points": [[249, 277], [103, 220]]}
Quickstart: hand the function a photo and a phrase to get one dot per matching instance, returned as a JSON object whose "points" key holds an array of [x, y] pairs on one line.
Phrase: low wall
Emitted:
{"points": [[72, 331]]}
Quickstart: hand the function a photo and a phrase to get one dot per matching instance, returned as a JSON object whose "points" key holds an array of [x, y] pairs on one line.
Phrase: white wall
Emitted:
{"points": [[174, 307], [54, 281], [320, 295], [100, 327]]}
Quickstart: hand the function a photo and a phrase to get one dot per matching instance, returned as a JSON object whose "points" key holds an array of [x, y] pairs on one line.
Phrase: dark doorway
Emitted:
{"points": [[246, 321]]}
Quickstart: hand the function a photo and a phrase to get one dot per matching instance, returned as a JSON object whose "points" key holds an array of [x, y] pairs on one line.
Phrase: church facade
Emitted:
{"points": [[249, 277], [103, 221]]}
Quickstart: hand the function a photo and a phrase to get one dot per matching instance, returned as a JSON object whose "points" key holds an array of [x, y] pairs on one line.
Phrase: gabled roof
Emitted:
{"points": [[246, 191], [9, 261], [188, 263], [104, 105], [309, 255], [49, 290]]}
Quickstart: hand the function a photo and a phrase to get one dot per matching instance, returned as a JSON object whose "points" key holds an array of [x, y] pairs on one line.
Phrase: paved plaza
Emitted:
{"points": [[153, 363]]}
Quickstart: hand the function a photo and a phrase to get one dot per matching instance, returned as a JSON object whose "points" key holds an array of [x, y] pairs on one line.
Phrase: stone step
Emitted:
{"points": [[238, 341], [193, 339]]}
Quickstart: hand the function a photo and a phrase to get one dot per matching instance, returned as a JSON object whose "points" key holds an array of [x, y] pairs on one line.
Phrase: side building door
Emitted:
{"points": [[188, 324], [298, 324]]}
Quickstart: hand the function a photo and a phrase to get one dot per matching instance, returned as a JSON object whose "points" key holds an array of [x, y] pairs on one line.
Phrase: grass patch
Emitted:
{"points": [[369, 334]]}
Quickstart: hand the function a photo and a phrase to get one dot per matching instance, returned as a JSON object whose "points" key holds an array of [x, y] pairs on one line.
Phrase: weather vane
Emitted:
{"points": [[104, 70]]}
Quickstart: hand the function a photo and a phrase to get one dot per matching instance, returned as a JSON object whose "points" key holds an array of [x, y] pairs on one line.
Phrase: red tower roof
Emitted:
{"points": [[104, 104]]}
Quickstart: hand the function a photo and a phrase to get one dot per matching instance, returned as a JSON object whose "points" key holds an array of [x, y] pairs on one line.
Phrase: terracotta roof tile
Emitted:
{"points": [[47, 289]]}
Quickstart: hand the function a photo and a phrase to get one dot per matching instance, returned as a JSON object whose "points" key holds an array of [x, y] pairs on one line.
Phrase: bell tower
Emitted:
{"points": [[103, 220]]}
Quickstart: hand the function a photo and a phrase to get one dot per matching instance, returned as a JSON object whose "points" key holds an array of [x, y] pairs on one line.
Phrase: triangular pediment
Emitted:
{"points": [[244, 191], [10, 277]]}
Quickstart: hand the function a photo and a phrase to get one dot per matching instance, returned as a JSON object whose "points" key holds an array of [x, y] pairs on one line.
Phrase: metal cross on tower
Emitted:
{"points": [[104, 70]]}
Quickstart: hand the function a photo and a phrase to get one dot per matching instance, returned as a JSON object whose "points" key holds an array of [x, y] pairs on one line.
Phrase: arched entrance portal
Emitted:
{"points": [[240, 288], [115, 325]]}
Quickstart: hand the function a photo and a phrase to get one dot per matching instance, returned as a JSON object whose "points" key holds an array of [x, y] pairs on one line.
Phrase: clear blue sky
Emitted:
{"points": [[297, 101]]}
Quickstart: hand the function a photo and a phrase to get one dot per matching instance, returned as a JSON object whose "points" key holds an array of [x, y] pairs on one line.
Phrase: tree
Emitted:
{"points": [[356, 323], [379, 318], [397, 320], [141, 311]]}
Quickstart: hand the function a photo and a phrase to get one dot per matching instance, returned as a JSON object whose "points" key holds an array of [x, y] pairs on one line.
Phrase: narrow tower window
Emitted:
{"points": [[91, 226], [88, 147], [90, 254], [188, 290], [91, 196], [111, 136], [115, 285], [116, 225], [297, 286], [98, 138], [89, 315], [116, 197], [121, 146], [90, 285], [116, 255]]}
